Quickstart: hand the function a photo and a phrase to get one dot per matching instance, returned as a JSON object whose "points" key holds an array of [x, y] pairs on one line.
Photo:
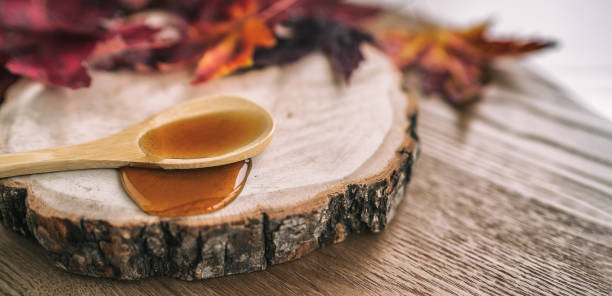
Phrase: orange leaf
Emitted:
{"points": [[257, 33], [235, 51], [453, 62]]}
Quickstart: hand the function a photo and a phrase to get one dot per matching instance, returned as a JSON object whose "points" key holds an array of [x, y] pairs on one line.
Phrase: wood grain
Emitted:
{"points": [[512, 197]]}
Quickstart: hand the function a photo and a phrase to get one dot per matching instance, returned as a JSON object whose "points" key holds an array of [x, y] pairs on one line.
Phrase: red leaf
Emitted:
{"points": [[234, 51], [74, 16], [51, 40], [58, 63]]}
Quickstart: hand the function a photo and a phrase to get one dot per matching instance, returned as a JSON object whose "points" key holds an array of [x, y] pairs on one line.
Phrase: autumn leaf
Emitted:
{"points": [[50, 41], [73, 16], [234, 51], [60, 59], [340, 42], [240, 35], [218, 31], [314, 29], [454, 63], [57, 42], [59, 63]]}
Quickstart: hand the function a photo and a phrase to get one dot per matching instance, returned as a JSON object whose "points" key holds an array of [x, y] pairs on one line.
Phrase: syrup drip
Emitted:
{"points": [[177, 193], [196, 191]]}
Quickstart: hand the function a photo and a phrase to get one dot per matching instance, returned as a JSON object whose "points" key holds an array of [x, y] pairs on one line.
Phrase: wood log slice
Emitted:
{"points": [[339, 164]]}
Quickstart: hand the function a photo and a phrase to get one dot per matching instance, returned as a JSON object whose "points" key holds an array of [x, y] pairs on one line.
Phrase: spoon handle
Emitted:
{"points": [[52, 160]]}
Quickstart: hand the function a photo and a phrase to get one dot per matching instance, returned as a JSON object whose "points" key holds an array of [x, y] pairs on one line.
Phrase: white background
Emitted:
{"points": [[581, 63]]}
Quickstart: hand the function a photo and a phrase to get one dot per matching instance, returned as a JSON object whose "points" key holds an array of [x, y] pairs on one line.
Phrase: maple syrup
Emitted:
{"points": [[185, 192], [195, 191], [204, 136]]}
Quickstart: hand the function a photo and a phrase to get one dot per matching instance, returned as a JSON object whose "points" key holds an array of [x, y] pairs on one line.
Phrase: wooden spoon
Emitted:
{"points": [[125, 149]]}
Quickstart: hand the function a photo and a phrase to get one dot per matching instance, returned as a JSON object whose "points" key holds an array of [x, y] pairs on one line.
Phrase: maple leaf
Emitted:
{"points": [[56, 42], [50, 41], [248, 31], [241, 35], [59, 59], [221, 37], [454, 63], [73, 16], [340, 42], [53, 42], [58, 63]]}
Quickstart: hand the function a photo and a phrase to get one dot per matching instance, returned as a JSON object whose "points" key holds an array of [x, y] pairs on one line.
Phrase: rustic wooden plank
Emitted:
{"points": [[513, 196]]}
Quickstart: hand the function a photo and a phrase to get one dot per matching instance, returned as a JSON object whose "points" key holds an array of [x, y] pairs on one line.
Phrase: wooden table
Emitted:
{"points": [[513, 196]]}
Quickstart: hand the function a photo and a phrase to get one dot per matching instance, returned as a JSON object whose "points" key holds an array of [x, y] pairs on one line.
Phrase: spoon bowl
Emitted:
{"points": [[132, 146]]}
